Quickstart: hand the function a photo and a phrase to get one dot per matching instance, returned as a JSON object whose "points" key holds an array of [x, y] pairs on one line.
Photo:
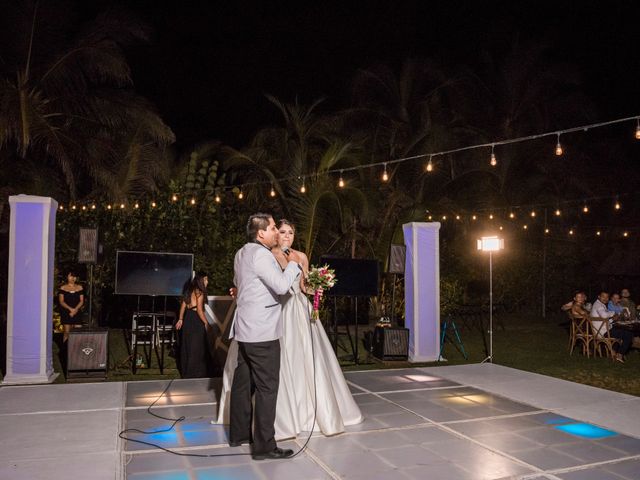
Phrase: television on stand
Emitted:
{"points": [[152, 273]]}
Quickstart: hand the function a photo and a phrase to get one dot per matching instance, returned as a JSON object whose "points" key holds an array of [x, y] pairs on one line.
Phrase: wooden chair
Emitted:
{"points": [[603, 339], [581, 332]]}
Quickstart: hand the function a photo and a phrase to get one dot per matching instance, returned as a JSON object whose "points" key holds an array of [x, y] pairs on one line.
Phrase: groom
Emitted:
{"points": [[257, 328]]}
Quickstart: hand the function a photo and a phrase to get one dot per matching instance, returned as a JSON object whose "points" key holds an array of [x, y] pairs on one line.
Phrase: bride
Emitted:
{"points": [[334, 405]]}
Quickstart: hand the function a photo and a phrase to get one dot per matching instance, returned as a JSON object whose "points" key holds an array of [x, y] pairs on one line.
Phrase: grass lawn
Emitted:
{"points": [[524, 342]]}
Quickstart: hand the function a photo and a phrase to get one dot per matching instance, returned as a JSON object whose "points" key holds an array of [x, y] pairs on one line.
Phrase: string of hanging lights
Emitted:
{"points": [[429, 167]]}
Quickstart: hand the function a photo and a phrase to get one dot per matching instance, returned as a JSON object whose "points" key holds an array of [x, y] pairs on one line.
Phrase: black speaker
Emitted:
{"points": [[87, 353], [397, 255], [390, 343], [88, 246]]}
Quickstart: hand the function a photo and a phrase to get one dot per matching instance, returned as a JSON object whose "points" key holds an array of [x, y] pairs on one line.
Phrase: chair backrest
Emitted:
{"points": [[582, 325], [600, 327]]}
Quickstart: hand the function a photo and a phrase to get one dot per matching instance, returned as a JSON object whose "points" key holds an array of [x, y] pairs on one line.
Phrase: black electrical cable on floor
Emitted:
{"points": [[180, 419], [315, 387]]}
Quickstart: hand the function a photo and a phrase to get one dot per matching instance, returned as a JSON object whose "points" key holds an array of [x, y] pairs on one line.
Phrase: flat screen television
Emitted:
{"points": [[152, 273], [357, 277]]}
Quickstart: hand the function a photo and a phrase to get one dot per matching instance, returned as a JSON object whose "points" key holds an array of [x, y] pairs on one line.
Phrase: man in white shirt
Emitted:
{"points": [[257, 328], [599, 311]]}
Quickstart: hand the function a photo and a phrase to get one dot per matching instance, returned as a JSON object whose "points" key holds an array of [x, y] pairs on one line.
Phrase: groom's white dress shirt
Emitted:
{"points": [[260, 282]]}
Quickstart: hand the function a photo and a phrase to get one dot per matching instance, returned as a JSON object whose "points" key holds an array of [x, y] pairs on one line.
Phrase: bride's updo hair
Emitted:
{"points": [[284, 221]]}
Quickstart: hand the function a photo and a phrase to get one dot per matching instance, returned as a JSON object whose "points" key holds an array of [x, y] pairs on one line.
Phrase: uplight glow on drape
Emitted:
{"points": [[422, 290], [30, 290]]}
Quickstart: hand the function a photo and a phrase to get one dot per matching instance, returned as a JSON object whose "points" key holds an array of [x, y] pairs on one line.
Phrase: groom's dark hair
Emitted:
{"points": [[257, 221]]}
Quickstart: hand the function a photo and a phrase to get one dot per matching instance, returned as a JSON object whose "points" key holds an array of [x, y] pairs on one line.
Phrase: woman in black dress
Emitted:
{"points": [[71, 300], [194, 354]]}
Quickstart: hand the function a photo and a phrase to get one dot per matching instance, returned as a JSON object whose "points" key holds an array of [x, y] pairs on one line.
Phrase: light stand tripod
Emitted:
{"points": [[490, 356], [490, 244]]}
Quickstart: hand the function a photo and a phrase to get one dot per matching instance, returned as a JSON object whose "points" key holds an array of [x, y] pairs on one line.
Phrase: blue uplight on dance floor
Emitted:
{"points": [[182, 475], [586, 430], [552, 419], [228, 473], [198, 438], [162, 438]]}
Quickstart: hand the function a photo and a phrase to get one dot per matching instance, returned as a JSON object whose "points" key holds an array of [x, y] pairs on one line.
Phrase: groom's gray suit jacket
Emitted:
{"points": [[260, 282]]}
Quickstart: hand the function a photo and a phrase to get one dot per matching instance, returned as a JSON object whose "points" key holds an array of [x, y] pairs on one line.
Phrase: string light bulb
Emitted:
{"points": [[473, 217], [60, 207], [109, 207], [341, 180], [501, 227], [444, 217], [84, 207], [525, 226], [638, 129], [625, 234], [457, 217], [617, 205], [217, 199], [571, 232], [598, 233], [493, 161], [272, 193], [558, 212], [491, 216], [385, 175], [240, 195], [430, 164], [193, 201], [153, 204], [558, 147], [174, 198], [93, 206], [303, 188], [136, 205], [122, 206], [533, 213], [546, 230], [73, 207], [585, 209], [512, 215]]}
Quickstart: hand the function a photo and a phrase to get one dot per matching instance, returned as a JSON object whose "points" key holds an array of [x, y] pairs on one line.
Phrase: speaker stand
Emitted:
{"points": [[91, 324], [393, 299]]}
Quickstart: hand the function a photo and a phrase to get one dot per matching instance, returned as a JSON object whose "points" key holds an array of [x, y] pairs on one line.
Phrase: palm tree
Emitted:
{"points": [[520, 93], [66, 101], [306, 147], [411, 112]]}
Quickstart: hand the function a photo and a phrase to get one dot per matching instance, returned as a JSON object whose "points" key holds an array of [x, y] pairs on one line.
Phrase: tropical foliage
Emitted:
{"points": [[70, 122], [73, 127]]}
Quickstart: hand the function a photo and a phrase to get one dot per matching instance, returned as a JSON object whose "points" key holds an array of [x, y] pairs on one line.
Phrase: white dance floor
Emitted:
{"points": [[462, 422]]}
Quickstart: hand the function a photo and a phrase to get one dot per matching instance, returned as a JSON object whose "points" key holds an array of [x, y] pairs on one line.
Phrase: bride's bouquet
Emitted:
{"points": [[319, 279]]}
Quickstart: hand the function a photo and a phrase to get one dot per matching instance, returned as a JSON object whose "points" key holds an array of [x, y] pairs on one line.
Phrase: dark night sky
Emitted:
{"points": [[210, 63]]}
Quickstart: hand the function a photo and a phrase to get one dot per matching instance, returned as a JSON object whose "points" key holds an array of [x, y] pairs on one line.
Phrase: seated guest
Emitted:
{"points": [[567, 306], [629, 304], [578, 305], [614, 304], [585, 306], [599, 315]]}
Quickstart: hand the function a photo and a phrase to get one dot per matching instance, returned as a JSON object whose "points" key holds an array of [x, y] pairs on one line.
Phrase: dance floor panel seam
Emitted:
{"points": [[509, 439], [419, 423]]}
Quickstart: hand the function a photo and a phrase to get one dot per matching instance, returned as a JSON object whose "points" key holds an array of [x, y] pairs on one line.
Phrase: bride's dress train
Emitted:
{"points": [[295, 406]]}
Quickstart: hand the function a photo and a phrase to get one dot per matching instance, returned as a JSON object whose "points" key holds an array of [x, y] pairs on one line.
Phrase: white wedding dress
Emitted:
{"points": [[295, 406]]}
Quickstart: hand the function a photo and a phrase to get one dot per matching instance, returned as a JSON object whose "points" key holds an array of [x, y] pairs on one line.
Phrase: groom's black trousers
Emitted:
{"points": [[258, 372]]}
